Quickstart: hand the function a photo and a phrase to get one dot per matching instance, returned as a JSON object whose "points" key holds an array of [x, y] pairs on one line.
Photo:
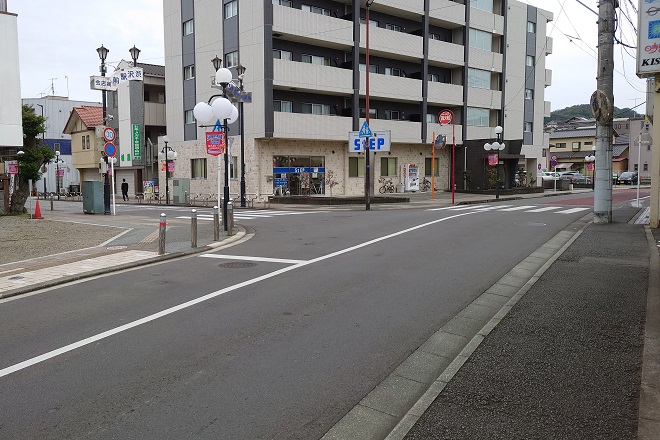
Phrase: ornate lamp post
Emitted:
{"points": [[135, 53], [590, 161], [57, 173], [167, 154], [240, 72], [103, 54], [496, 146]]}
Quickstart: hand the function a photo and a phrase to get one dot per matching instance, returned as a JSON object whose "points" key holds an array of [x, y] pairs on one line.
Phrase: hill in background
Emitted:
{"points": [[584, 111]]}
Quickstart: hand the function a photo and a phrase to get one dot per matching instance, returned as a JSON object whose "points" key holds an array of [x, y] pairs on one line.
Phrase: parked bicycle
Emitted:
{"points": [[388, 186], [425, 185]]}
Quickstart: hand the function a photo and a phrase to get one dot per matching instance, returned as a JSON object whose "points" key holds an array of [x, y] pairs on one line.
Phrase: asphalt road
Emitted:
{"points": [[280, 344]]}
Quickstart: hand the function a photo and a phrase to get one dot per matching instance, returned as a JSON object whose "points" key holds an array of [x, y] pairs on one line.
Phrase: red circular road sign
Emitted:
{"points": [[444, 117], [110, 149], [109, 134], [553, 157]]}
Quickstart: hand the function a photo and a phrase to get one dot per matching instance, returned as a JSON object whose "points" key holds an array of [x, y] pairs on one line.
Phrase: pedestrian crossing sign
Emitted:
{"points": [[365, 131]]}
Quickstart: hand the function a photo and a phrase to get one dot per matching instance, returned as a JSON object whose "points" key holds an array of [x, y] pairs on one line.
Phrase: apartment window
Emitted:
{"points": [[588, 143], [189, 117], [433, 36], [85, 142], [478, 117], [431, 118], [198, 168], [433, 77], [645, 167], [188, 27], [231, 59], [373, 113], [283, 3], [316, 10], [428, 169], [391, 115], [478, 78], [485, 5], [313, 59], [648, 147], [356, 166], [560, 145], [231, 9], [316, 109], [393, 71], [189, 72], [372, 22], [282, 54], [575, 145], [528, 127], [233, 167], [529, 61], [388, 166], [529, 94], [481, 40], [531, 27], [283, 106], [372, 68], [392, 27]]}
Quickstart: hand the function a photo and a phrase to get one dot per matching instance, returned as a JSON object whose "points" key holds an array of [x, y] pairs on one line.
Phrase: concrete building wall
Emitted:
{"points": [[11, 124]]}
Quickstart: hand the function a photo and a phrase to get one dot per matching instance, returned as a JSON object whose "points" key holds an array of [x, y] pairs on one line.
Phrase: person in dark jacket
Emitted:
{"points": [[124, 190]]}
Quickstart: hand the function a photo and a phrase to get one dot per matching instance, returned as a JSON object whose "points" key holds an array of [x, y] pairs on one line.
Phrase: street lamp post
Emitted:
{"points": [[590, 161], [367, 151], [168, 154], [496, 146], [57, 173], [135, 53], [103, 54], [240, 72]]}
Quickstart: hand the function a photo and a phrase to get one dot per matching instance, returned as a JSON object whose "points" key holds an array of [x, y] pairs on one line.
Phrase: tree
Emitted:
{"points": [[330, 181], [34, 156]]}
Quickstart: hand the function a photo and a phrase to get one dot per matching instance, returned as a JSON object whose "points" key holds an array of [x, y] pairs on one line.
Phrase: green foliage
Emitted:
{"points": [[584, 111], [34, 155]]}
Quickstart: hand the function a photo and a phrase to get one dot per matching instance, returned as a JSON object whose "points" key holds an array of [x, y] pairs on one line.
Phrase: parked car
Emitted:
{"points": [[627, 178], [542, 176], [574, 177]]}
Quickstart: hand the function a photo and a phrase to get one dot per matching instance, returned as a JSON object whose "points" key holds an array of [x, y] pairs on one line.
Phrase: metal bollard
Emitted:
{"points": [[193, 228], [216, 224], [230, 218], [51, 202], [161, 234]]}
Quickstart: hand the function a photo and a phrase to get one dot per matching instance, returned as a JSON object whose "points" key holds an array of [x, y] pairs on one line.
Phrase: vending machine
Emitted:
{"points": [[410, 176]]}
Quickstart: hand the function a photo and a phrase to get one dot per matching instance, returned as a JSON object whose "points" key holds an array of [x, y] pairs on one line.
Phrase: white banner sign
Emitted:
{"points": [[112, 82], [380, 141], [648, 38]]}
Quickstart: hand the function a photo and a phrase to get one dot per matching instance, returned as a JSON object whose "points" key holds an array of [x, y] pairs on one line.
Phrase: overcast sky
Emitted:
{"points": [[57, 46]]}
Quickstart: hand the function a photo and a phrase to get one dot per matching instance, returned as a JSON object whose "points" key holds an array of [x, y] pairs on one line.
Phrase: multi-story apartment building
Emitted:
{"points": [[11, 123], [306, 68]]}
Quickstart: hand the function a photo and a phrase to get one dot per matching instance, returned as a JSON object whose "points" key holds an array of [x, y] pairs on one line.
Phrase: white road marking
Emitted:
{"points": [[493, 208], [517, 208], [547, 208], [245, 258], [67, 348], [457, 208], [571, 211]]}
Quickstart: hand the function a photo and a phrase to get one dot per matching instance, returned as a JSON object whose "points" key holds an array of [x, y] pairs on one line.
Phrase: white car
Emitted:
{"points": [[546, 175]]}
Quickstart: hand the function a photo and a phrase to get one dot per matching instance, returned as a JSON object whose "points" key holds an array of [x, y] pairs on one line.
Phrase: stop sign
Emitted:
{"points": [[444, 117]]}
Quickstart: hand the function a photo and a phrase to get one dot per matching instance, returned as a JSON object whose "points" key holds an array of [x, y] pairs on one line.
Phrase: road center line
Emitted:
{"points": [[244, 258], [54, 353]]}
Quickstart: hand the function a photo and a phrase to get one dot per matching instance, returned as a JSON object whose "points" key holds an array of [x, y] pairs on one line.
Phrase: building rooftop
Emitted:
{"points": [[152, 69], [91, 116]]}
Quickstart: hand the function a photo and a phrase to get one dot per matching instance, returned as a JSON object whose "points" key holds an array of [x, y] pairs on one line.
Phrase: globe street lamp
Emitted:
{"points": [[220, 109], [496, 146], [240, 72], [590, 161], [167, 154], [57, 173], [103, 54]]}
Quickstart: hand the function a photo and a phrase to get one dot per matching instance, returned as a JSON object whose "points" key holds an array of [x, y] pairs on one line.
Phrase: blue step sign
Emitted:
{"points": [[378, 141]]}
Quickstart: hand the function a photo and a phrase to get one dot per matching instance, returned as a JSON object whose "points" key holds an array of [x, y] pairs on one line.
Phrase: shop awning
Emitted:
{"points": [[565, 165]]}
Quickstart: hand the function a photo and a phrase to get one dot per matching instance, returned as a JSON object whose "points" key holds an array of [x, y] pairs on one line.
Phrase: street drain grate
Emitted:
{"points": [[237, 265]]}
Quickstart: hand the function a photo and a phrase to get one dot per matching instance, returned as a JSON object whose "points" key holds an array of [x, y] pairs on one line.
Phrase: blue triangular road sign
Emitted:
{"points": [[365, 131]]}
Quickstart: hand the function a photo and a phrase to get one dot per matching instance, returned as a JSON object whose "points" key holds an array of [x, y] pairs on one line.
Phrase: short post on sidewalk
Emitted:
{"points": [[216, 223], [161, 234], [230, 218], [51, 201], [193, 228], [224, 220]]}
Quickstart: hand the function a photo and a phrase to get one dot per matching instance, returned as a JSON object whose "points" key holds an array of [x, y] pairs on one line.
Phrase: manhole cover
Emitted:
{"points": [[237, 265], [116, 248]]}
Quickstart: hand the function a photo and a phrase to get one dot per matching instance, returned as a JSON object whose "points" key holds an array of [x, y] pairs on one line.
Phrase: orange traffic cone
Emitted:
{"points": [[37, 212]]}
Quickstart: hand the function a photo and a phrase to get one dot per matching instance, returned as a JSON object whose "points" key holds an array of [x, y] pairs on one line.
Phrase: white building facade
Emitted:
{"points": [[306, 69], [11, 123]]}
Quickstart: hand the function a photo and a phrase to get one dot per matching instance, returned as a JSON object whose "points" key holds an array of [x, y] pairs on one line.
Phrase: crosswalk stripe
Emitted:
{"points": [[492, 208], [453, 208], [547, 208], [571, 211], [517, 208]]}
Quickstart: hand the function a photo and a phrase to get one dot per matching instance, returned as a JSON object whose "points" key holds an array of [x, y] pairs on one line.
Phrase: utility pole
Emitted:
{"points": [[605, 84]]}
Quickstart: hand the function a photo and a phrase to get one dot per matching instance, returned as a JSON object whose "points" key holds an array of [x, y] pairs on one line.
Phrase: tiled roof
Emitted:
{"points": [[617, 150], [624, 139], [152, 69], [583, 132], [91, 116]]}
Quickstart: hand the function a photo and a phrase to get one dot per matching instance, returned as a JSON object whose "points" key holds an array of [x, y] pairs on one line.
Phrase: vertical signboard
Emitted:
{"points": [[648, 38], [137, 142]]}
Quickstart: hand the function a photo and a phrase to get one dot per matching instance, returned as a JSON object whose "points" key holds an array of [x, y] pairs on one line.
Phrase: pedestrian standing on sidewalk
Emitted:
{"points": [[124, 190]]}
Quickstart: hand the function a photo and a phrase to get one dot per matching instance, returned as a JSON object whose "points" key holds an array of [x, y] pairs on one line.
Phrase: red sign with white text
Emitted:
{"points": [[215, 143], [492, 159], [444, 117]]}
